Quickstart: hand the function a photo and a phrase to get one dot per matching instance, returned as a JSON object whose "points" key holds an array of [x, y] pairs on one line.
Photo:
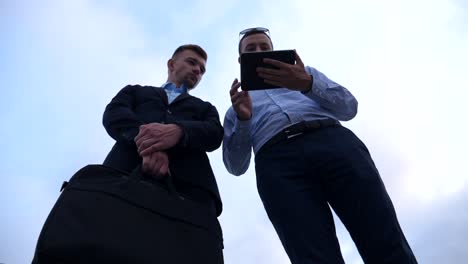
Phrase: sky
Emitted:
{"points": [[405, 61]]}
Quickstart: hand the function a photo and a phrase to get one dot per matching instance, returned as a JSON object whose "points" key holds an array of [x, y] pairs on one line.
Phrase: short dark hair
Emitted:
{"points": [[195, 48], [252, 33]]}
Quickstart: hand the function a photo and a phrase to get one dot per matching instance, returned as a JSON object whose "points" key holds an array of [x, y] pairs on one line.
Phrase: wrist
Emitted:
{"points": [[308, 85], [244, 118]]}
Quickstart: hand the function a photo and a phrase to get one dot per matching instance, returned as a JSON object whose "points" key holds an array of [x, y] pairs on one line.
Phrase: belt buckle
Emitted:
{"points": [[291, 134]]}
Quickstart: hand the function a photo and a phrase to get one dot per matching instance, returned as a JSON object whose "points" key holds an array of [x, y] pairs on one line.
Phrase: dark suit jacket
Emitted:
{"points": [[136, 105]]}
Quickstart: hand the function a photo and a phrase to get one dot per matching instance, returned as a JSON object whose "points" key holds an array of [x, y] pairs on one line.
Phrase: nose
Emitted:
{"points": [[196, 69]]}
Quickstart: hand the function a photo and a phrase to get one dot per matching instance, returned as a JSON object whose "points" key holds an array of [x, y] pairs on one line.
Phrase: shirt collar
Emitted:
{"points": [[172, 87]]}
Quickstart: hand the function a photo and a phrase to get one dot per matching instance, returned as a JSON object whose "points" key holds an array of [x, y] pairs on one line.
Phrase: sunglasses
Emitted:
{"points": [[248, 31]]}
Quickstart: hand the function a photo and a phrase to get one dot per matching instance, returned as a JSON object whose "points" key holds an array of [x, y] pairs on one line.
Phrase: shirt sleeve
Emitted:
{"points": [[331, 96], [237, 147]]}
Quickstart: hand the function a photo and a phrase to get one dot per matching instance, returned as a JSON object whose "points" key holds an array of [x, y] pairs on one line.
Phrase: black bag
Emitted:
{"points": [[105, 215]]}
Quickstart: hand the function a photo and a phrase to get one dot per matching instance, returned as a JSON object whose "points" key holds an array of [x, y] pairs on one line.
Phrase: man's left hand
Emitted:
{"points": [[291, 76], [157, 137]]}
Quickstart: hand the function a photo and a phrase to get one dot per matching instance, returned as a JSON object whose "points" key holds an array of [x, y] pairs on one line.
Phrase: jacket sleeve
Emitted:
{"points": [[119, 120], [205, 134]]}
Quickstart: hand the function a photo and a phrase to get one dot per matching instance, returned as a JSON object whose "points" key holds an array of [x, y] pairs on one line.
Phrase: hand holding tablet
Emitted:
{"points": [[251, 61]]}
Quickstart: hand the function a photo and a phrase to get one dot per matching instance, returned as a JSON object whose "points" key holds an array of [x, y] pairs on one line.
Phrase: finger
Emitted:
{"points": [[276, 63], [275, 83], [154, 167], [236, 97], [152, 164], [164, 167], [267, 75], [146, 144], [237, 104], [147, 140], [157, 166], [145, 164], [146, 151], [155, 131], [242, 110], [269, 71], [298, 59], [271, 77], [153, 148], [143, 131], [244, 94], [235, 85], [240, 102], [162, 164], [234, 82], [241, 97], [139, 141]]}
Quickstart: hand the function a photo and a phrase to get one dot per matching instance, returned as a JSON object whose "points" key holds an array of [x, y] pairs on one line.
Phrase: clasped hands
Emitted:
{"points": [[152, 141]]}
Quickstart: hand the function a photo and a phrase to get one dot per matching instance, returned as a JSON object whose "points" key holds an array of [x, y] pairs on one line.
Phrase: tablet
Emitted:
{"points": [[251, 60]]}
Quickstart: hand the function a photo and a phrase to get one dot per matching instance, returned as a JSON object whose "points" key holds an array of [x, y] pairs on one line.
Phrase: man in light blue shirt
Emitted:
{"points": [[305, 162]]}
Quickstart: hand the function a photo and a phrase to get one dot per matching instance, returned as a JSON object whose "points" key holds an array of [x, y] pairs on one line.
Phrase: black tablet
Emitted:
{"points": [[251, 60]]}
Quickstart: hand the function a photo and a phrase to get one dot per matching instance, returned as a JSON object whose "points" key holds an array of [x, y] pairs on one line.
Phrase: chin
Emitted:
{"points": [[191, 85]]}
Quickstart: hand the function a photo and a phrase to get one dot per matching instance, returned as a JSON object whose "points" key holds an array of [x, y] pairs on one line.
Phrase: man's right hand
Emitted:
{"points": [[156, 164], [241, 101], [157, 137]]}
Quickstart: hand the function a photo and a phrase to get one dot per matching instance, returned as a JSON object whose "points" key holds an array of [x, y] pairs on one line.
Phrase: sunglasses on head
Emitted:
{"points": [[248, 31]]}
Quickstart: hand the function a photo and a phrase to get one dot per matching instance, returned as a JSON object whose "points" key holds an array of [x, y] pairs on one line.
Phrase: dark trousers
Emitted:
{"points": [[301, 178]]}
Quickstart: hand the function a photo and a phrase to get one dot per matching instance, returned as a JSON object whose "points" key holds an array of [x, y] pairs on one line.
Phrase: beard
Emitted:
{"points": [[190, 81]]}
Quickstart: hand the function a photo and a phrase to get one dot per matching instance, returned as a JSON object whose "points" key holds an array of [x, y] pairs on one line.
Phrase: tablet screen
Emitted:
{"points": [[251, 60]]}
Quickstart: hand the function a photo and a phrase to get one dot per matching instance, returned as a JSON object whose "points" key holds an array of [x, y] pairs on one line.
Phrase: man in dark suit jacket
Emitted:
{"points": [[166, 130]]}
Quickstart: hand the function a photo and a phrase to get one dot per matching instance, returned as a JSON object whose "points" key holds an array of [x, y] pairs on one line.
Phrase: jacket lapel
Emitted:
{"points": [[162, 93], [181, 97]]}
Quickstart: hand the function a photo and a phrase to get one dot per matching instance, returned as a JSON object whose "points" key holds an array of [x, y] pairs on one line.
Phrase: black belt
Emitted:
{"points": [[299, 129]]}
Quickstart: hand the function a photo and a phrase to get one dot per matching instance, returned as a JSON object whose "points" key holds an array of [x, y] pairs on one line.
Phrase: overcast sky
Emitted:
{"points": [[406, 62]]}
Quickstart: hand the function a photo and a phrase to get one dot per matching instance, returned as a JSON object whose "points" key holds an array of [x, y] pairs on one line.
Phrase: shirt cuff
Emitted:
{"points": [[311, 85], [317, 89], [241, 125]]}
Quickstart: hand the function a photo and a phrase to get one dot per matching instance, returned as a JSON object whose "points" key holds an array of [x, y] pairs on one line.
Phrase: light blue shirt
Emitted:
{"points": [[275, 109], [172, 91]]}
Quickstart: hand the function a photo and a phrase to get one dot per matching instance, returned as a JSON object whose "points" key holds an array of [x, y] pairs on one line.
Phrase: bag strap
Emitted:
{"points": [[170, 182]]}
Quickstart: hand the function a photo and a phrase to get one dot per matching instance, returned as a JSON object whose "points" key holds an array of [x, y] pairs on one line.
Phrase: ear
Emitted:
{"points": [[170, 65], [238, 59]]}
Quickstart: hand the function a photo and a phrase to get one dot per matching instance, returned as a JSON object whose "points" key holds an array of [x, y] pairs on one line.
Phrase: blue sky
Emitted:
{"points": [[404, 60]]}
